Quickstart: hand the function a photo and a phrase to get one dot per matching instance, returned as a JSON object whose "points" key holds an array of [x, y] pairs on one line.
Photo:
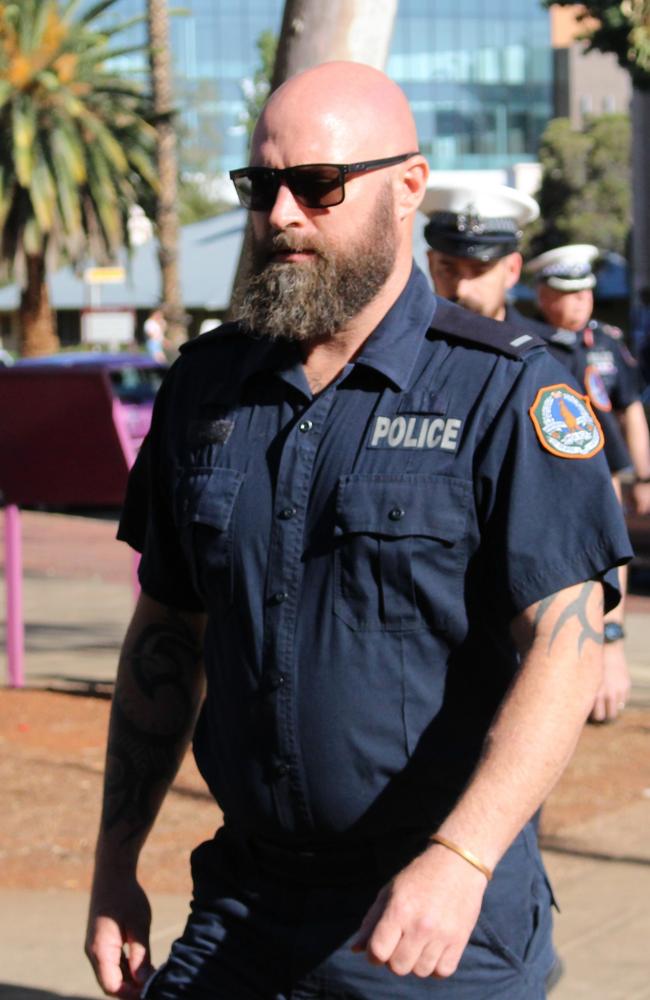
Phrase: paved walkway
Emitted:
{"points": [[601, 875]]}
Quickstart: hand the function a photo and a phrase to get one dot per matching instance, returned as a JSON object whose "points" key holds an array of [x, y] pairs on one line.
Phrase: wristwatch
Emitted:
{"points": [[613, 632]]}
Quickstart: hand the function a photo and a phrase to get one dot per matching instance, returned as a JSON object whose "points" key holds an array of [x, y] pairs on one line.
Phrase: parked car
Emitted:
{"points": [[71, 425]]}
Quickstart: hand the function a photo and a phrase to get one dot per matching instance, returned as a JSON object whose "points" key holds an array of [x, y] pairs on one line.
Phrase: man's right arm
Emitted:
{"points": [[157, 696]]}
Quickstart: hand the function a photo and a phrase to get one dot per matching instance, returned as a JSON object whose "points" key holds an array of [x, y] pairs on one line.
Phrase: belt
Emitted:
{"points": [[360, 862]]}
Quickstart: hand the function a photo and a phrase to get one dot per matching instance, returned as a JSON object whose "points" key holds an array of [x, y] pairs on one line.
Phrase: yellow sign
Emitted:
{"points": [[104, 275]]}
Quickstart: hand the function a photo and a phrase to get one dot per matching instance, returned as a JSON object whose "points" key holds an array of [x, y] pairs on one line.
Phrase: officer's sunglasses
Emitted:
{"points": [[314, 185]]}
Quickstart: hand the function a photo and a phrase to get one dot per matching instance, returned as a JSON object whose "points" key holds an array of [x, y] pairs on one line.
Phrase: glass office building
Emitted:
{"points": [[477, 74]]}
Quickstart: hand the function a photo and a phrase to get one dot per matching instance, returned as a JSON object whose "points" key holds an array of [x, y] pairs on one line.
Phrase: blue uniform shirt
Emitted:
{"points": [[360, 555]]}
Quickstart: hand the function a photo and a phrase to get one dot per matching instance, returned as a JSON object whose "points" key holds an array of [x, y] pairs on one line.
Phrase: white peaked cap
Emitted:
{"points": [[478, 222], [482, 200], [567, 268]]}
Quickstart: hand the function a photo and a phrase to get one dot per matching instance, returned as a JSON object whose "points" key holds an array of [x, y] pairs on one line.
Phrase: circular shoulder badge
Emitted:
{"points": [[565, 423], [596, 389]]}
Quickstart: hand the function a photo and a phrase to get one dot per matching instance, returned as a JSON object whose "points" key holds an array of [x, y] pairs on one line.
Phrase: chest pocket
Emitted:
{"points": [[399, 550], [205, 503]]}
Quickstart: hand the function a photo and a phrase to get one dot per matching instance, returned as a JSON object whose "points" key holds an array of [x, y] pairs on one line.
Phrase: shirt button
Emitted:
{"points": [[396, 514], [305, 426], [279, 597], [287, 513], [274, 680]]}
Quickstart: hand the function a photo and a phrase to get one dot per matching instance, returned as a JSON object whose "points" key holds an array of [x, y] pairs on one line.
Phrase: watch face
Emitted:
{"points": [[613, 631]]}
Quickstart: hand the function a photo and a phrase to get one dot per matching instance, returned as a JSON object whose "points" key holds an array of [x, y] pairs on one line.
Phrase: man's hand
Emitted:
{"points": [[615, 686], [117, 937], [422, 920]]}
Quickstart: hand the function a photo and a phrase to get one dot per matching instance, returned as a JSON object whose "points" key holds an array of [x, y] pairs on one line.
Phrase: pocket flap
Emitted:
{"points": [[407, 504], [427, 401], [207, 496]]}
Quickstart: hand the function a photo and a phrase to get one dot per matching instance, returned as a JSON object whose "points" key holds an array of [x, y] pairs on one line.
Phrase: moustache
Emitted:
{"points": [[287, 243]]}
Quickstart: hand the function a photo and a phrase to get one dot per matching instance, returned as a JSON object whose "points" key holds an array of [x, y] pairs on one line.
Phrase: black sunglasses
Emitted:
{"points": [[314, 185]]}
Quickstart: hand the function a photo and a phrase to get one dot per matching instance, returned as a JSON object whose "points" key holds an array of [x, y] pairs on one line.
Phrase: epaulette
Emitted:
{"points": [[614, 332], [219, 333], [502, 336], [566, 338]]}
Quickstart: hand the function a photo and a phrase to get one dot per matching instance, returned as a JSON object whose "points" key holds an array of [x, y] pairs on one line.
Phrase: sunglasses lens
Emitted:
{"points": [[316, 186], [257, 190]]}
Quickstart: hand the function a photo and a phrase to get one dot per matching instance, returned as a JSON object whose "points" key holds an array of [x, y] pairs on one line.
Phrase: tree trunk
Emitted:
{"points": [[166, 212], [37, 322], [641, 217], [314, 33]]}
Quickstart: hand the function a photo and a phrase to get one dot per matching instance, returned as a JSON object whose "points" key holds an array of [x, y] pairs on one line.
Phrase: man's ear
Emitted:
{"points": [[513, 264], [413, 182]]}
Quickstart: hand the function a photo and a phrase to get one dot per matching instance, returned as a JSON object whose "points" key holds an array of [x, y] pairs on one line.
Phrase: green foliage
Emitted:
{"points": [[585, 191], [256, 91], [79, 144], [622, 28]]}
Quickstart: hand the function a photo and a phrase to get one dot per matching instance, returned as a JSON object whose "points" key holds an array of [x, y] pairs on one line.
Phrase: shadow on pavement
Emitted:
{"points": [[9, 991], [554, 847]]}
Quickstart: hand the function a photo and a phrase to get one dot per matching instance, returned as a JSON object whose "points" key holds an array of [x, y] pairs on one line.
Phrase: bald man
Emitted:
{"points": [[366, 571]]}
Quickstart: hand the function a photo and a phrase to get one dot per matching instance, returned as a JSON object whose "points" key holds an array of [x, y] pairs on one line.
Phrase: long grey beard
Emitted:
{"points": [[307, 302]]}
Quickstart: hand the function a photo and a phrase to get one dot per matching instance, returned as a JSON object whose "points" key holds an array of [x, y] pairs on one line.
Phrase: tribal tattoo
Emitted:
{"points": [[152, 717], [575, 611]]}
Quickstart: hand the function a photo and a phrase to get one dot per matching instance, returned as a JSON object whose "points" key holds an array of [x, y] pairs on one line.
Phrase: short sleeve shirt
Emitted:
{"points": [[360, 555]]}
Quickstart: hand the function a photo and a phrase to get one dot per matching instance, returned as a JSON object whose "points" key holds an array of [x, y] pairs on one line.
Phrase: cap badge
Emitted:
{"points": [[470, 221]]}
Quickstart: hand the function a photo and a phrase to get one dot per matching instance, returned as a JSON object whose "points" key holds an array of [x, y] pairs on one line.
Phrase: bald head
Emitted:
{"points": [[338, 112], [356, 247]]}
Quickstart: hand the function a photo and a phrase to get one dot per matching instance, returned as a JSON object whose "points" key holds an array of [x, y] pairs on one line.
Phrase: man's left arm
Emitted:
{"points": [[422, 920], [637, 436]]}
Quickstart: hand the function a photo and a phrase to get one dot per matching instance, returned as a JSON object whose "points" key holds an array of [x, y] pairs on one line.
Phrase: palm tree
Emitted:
{"points": [[77, 148], [167, 168]]}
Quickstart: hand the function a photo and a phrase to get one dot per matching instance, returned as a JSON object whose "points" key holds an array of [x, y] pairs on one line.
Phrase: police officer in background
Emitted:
{"points": [[473, 233], [345, 507], [565, 282]]}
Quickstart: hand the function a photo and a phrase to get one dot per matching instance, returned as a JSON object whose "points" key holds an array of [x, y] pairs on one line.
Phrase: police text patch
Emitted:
{"points": [[420, 432], [565, 422]]}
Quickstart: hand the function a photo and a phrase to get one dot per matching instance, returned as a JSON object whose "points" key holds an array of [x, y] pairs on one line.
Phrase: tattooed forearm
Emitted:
{"points": [[576, 611], [153, 714]]}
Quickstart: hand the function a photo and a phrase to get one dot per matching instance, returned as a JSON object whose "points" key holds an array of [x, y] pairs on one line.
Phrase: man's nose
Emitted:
{"points": [[286, 210]]}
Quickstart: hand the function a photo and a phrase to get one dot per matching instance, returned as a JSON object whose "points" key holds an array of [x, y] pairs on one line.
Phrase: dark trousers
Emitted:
{"points": [[268, 924]]}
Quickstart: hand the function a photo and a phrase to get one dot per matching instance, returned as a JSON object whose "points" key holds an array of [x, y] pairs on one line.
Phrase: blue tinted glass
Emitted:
{"points": [[484, 64]]}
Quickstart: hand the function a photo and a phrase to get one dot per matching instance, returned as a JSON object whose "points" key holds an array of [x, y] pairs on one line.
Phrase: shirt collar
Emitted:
{"points": [[393, 346]]}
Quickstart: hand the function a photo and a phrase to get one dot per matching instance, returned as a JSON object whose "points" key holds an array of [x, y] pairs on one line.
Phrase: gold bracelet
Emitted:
{"points": [[467, 855]]}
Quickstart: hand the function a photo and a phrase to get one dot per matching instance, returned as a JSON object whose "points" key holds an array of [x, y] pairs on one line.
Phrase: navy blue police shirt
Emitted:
{"points": [[360, 554]]}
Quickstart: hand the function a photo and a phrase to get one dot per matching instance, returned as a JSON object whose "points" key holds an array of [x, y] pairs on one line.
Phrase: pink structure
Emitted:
{"points": [[14, 583], [71, 429]]}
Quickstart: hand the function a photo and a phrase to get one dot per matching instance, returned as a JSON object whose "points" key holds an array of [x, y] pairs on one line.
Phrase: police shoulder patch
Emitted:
{"points": [[565, 423], [596, 389]]}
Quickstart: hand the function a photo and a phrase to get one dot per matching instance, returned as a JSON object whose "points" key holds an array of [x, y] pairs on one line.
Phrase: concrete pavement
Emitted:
{"points": [[600, 871]]}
